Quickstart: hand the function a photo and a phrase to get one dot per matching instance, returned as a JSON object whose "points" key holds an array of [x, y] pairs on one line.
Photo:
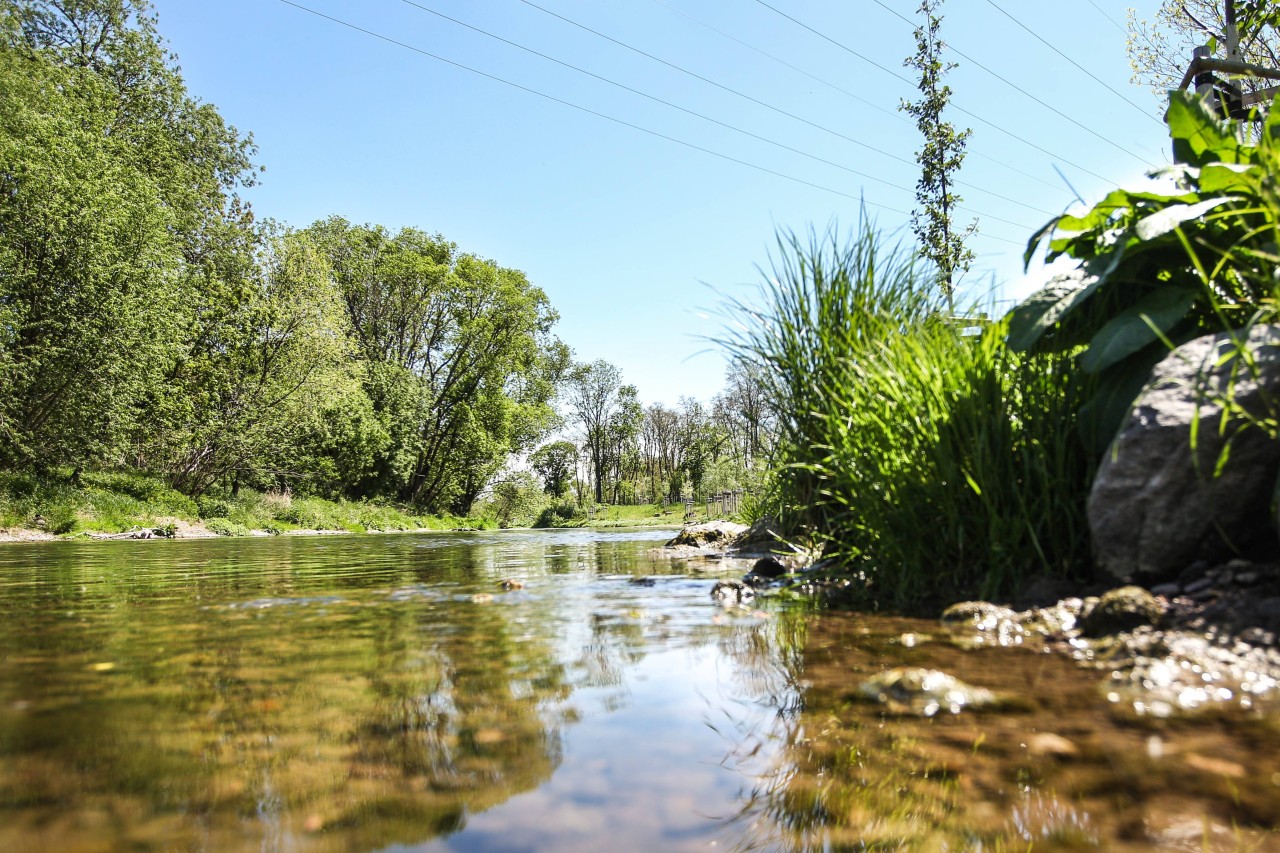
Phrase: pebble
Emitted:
{"points": [[1168, 590], [1198, 585]]}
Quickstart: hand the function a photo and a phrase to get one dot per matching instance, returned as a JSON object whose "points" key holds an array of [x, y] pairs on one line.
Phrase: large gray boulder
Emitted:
{"points": [[1157, 504]]}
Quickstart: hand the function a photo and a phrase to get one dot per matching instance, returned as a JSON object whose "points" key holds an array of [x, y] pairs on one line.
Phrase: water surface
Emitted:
{"points": [[387, 693]]}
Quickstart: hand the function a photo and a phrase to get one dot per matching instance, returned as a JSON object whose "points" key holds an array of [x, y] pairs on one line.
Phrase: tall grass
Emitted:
{"points": [[934, 461]]}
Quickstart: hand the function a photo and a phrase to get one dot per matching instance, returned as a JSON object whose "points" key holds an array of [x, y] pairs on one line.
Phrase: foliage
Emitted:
{"points": [[457, 359], [940, 158], [561, 512], [117, 196], [517, 501], [556, 464], [937, 462], [593, 392], [1160, 51], [1158, 269]]}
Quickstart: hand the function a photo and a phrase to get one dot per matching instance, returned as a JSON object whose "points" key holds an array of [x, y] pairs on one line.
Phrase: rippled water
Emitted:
{"points": [[387, 693]]}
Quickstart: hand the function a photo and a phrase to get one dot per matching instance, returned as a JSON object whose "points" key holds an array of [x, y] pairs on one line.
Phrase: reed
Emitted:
{"points": [[934, 461]]}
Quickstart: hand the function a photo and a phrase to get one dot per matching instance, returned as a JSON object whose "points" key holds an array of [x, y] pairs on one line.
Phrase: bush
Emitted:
{"points": [[559, 513], [214, 507], [226, 527]]}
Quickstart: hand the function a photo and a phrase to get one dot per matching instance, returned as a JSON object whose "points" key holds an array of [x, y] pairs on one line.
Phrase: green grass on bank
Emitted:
{"points": [[118, 502]]}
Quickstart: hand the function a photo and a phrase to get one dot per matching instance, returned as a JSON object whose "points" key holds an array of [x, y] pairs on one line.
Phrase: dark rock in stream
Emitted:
{"points": [[732, 592], [1119, 610]]}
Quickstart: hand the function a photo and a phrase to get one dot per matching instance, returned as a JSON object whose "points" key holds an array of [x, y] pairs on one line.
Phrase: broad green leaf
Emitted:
{"points": [[1041, 311], [1174, 215], [1220, 178], [1137, 326], [1198, 136]]}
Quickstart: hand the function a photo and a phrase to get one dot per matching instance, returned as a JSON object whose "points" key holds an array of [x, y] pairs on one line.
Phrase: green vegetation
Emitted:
{"points": [[120, 502], [1157, 270], [934, 460], [940, 158]]}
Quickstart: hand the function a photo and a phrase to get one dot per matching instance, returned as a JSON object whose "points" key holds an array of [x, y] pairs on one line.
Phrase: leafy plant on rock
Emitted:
{"points": [[1160, 269]]}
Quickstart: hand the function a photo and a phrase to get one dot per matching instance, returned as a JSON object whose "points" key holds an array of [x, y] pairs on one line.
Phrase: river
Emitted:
{"points": [[370, 693]]}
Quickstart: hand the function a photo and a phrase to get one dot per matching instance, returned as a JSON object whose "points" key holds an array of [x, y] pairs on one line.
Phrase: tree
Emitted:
{"points": [[457, 354], [592, 395], [939, 158], [556, 464], [118, 211], [1160, 51], [239, 399]]}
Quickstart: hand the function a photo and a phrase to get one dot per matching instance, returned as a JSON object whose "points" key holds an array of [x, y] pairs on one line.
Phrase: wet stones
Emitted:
{"points": [[923, 692], [982, 615], [715, 534], [1118, 610]]}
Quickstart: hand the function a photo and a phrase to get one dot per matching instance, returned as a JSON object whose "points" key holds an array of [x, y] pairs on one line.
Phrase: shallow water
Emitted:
{"points": [[386, 693]]}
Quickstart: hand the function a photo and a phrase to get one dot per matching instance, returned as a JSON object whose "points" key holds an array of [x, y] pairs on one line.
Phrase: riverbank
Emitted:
{"points": [[1208, 639]]}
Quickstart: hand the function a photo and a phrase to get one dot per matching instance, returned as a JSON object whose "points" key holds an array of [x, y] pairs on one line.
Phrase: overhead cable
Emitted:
{"points": [[606, 117], [1095, 77], [715, 121], [956, 106]]}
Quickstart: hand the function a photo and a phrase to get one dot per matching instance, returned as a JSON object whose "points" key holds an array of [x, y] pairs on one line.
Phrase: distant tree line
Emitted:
{"points": [[149, 321], [628, 453]]}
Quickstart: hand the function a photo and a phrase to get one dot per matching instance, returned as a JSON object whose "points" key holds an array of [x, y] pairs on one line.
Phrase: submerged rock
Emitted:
{"points": [[925, 692], [982, 615]]}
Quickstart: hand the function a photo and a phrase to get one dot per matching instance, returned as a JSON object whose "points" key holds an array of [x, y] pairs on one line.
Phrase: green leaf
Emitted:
{"points": [[1040, 312], [1219, 178], [1164, 221], [1137, 326], [1199, 138]]}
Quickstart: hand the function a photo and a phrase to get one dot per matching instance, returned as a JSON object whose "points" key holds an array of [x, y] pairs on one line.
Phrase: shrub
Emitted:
{"points": [[226, 527], [559, 513]]}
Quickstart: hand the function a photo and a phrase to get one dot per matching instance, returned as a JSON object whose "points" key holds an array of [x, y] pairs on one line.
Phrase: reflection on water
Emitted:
{"points": [[386, 693]]}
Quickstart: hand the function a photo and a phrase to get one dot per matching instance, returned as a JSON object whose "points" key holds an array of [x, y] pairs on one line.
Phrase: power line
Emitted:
{"points": [[892, 113], [1095, 77], [957, 107], [720, 86], [713, 121], [1013, 85], [587, 110], [1108, 17], [705, 117]]}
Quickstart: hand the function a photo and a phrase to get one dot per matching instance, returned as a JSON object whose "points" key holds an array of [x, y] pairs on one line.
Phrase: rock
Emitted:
{"points": [[1050, 744], [1156, 501], [715, 534], [768, 567], [732, 592], [1122, 609], [983, 615], [1168, 590], [914, 690]]}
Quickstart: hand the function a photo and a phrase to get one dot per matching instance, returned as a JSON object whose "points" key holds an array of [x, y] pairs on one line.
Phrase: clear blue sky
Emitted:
{"points": [[631, 235]]}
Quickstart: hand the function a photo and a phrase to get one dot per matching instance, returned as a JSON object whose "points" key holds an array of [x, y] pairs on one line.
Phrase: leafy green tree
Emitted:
{"points": [[556, 464], [459, 361], [592, 394], [940, 158], [117, 205], [239, 400]]}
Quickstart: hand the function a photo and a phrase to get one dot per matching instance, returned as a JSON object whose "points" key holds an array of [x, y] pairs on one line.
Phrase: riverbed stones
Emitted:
{"points": [[924, 692], [1160, 499], [732, 592]]}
